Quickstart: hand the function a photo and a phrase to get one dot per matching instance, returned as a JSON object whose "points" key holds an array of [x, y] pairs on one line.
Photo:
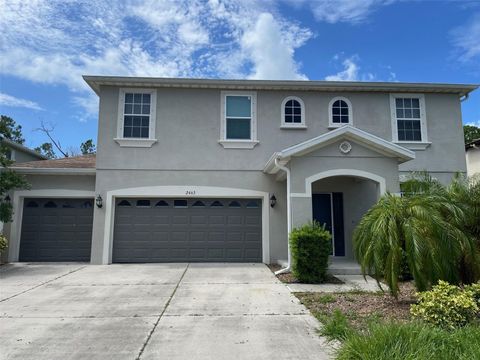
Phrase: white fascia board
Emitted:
{"points": [[353, 133]]}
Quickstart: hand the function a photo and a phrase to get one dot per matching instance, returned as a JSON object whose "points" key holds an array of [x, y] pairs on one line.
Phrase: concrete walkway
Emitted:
{"points": [[152, 311]]}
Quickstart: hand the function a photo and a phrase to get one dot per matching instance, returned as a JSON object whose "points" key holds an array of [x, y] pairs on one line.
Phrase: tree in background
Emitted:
{"points": [[48, 148], [471, 133], [9, 179], [10, 130], [88, 147]]}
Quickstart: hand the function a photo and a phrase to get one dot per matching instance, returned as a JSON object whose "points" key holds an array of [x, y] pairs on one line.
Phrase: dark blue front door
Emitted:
{"points": [[328, 209]]}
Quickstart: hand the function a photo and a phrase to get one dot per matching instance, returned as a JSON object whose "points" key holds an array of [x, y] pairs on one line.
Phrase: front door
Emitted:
{"points": [[328, 210]]}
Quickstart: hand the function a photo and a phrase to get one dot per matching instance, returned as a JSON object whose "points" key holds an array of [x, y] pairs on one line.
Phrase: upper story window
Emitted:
{"points": [[136, 123], [293, 113], [340, 112], [136, 115], [408, 118], [239, 124]]}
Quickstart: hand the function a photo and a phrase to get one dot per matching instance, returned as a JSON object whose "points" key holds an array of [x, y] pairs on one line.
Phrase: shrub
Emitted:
{"points": [[311, 246], [446, 306], [411, 341], [3, 243], [335, 326], [435, 228], [474, 289]]}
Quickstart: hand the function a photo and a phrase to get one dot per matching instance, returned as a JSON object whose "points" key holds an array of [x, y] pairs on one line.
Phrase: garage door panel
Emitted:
{"points": [[56, 230], [187, 230]]}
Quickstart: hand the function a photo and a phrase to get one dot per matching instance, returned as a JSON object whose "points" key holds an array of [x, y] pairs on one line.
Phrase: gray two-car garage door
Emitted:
{"points": [[187, 230], [56, 230]]}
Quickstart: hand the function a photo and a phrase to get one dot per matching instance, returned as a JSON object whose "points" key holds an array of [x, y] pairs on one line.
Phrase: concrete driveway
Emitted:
{"points": [[152, 311]]}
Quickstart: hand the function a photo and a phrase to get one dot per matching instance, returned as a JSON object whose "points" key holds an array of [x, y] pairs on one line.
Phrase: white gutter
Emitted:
{"points": [[289, 218], [54, 171]]}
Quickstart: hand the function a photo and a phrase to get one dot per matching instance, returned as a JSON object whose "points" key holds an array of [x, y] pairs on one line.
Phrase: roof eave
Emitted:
{"points": [[23, 148], [53, 171], [301, 85]]}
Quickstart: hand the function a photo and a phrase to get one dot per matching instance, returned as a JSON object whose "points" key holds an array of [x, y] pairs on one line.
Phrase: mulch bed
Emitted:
{"points": [[360, 307], [288, 278]]}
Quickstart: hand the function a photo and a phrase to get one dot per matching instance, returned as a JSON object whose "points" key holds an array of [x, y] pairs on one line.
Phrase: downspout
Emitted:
{"points": [[464, 97], [289, 218]]}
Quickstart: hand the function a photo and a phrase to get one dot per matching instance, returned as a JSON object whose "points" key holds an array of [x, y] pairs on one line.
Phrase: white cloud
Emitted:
{"points": [[12, 101], [473, 123], [350, 72], [53, 42], [270, 51], [466, 39], [351, 11]]}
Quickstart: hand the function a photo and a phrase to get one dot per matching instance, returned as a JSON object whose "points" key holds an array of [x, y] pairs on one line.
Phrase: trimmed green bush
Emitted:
{"points": [[311, 246], [474, 289], [411, 341], [3, 243], [446, 306]]}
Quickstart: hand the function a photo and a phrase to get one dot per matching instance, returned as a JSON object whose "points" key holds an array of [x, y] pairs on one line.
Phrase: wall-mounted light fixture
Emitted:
{"points": [[273, 200], [7, 199], [99, 201]]}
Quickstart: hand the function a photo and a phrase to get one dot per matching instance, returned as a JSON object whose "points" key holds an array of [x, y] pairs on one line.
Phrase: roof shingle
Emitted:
{"points": [[74, 162]]}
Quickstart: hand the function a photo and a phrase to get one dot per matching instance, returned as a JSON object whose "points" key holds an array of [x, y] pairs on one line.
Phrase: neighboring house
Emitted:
{"points": [[20, 153], [220, 170], [472, 154]]}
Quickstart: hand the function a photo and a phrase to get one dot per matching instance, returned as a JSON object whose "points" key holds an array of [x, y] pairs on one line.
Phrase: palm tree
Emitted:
{"points": [[428, 225]]}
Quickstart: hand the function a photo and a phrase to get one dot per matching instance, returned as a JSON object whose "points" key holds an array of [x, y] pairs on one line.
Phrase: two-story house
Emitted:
{"points": [[220, 170]]}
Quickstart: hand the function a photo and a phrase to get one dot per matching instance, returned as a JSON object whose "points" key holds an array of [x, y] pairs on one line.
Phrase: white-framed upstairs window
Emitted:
{"points": [[409, 124], [136, 117], [293, 113], [238, 128], [339, 112]]}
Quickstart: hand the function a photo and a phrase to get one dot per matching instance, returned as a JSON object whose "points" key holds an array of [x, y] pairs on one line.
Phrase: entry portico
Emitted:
{"points": [[336, 177]]}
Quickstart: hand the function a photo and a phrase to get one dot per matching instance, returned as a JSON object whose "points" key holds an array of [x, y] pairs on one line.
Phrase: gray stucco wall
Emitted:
{"points": [[188, 130], [359, 193], [108, 180], [22, 156], [188, 152]]}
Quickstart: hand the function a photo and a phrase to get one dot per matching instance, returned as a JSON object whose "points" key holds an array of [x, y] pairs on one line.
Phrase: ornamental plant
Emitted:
{"points": [[3, 243], [446, 306], [311, 246]]}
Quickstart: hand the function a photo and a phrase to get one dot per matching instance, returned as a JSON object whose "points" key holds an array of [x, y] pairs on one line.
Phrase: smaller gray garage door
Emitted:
{"points": [[187, 230], [56, 230]]}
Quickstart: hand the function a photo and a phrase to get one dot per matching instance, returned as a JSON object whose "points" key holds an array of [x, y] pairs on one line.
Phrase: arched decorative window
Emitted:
{"points": [[32, 204], [293, 112], [234, 204], [198, 204], [216, 204], [67, 205], [340, 112], [124, 203], [161, 203], [143, 203], [50, 204], [252, 205], [87, 204]]}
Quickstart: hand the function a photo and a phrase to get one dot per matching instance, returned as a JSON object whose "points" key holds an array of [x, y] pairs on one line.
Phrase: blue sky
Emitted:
{"points": [[47, 45]]}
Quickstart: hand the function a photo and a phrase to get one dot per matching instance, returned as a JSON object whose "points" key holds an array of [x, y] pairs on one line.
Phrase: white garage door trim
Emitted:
{"points": [[183, 192], [19, 196]]}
